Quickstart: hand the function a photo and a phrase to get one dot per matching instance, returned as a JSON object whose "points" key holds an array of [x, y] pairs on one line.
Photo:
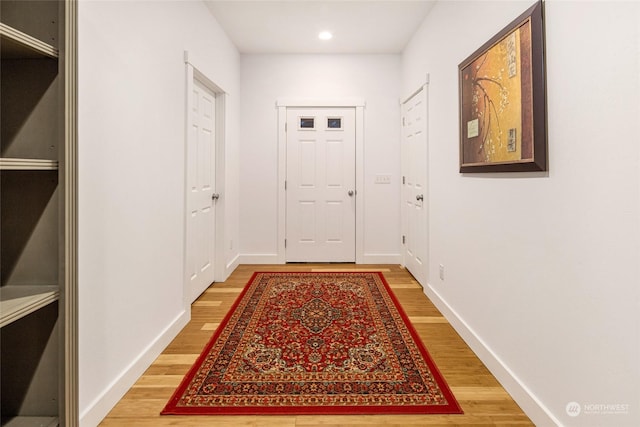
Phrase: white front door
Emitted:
{"points": [[320, 185], [201, 153], [414, 171]]}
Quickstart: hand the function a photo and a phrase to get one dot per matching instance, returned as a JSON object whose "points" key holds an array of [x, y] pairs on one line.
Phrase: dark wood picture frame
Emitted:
{"points": [[502, 89]]}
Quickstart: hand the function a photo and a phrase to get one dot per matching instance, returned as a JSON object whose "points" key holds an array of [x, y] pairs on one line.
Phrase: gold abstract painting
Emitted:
{"points": [[496, 105]]}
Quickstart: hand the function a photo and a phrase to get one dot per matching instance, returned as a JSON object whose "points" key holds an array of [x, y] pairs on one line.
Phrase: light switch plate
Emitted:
{"points": [[383, 179]]}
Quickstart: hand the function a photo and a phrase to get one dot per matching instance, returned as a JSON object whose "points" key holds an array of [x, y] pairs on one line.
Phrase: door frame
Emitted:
{"points": [[282, 105], [194, 73], [424, 275]]}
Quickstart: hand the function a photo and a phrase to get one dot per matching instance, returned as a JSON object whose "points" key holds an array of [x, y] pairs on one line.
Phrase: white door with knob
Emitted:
{"points": [[414, 188], [201, 196], [320, 185]]}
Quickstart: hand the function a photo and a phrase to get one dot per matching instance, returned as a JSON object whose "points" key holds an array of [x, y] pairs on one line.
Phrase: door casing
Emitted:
{"points": [[194, 73], [282, 105]]}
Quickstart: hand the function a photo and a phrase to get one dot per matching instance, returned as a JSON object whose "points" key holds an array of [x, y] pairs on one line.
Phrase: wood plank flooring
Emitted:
{"points": [[484, 401]]}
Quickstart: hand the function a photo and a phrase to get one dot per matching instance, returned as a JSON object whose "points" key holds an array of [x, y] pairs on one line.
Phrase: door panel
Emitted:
{"points": [[320, 217], [306, 221], [201, 186], [307, 164], [414, 154], [335, 231], [335, 164]]}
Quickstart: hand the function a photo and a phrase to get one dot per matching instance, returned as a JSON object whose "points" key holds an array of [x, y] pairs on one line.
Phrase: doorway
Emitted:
{"points": [[320, 185], [414, 184], [204, 183], [201, 185], [353, 104]]}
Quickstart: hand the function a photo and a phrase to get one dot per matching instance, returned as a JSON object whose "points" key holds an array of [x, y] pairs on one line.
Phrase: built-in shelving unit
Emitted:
{"points": [[34, 213]]}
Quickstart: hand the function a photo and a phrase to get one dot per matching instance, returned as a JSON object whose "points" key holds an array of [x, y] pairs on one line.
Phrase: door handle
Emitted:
{"points": [[350, 193], [215, 196], [419, 197]]}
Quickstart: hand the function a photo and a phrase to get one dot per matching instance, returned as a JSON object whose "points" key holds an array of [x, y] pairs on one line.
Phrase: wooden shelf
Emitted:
{"points": [[18, 45], [30, 422], [28, 164], [19, 301]]}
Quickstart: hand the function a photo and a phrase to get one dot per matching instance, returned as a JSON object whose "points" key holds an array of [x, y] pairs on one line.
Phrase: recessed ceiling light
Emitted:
{"points": [[325, 35]]}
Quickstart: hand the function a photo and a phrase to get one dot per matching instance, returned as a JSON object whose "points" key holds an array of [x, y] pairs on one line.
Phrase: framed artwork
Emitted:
{"points": [[503, 100]]}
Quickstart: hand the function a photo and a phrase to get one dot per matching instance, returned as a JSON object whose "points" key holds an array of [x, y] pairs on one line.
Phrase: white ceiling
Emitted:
{"points": [[292, 26]]}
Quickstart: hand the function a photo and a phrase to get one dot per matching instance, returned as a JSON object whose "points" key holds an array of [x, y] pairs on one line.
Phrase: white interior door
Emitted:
{"points": [[320, 185], [201, 194], [414, 154]]}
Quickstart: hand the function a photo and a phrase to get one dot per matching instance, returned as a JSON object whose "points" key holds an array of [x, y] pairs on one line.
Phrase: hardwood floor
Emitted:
{"points": [[484, 401]]}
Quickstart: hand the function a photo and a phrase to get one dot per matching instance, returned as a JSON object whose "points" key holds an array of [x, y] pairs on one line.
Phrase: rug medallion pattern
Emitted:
{"points": [[314, 343]]}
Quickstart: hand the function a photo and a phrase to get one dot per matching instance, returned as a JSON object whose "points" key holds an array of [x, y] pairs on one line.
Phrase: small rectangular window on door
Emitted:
{"points": [[334, 123], [307, 123]]}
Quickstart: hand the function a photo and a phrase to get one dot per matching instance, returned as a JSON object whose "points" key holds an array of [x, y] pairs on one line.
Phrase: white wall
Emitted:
{"points": [[131, 175], [267, 78], [542, 271]]}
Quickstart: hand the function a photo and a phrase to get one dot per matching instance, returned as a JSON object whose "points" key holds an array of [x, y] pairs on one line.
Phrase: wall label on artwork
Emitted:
{"points": [[472, 128], [512, 141]]}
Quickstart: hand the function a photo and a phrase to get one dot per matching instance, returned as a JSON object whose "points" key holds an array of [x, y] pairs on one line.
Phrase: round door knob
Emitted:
{"points": [[350, 193]]}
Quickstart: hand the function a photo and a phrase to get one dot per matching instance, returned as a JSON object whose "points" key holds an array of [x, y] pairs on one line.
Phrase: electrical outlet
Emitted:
{"points": [[441, 272], [383, 179]]}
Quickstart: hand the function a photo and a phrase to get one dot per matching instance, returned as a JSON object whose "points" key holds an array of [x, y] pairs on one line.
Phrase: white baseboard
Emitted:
{"points": [[277, 259], [381, 259], [259, 259], [100, 407], [231, 266], [530, 404]]}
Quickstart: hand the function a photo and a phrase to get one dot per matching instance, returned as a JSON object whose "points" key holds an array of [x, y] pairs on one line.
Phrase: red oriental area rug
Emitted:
{"points": [[314, 343]]}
